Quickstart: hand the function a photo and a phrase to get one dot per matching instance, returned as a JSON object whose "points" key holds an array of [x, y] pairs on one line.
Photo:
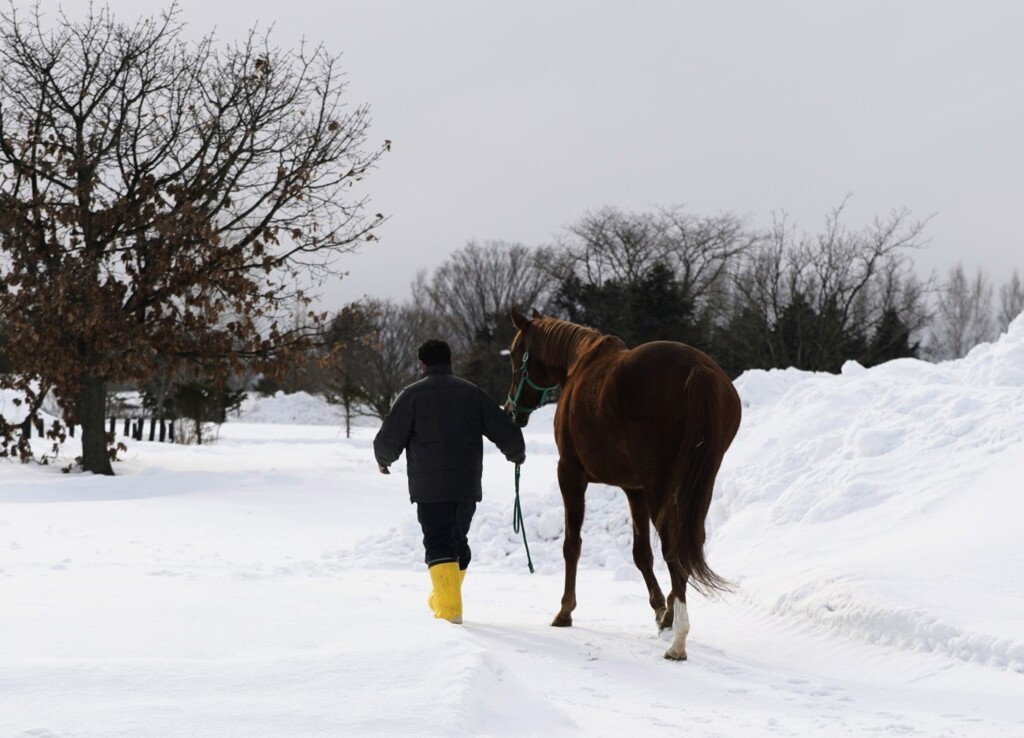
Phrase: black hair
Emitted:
{"points": [[434, 351]]}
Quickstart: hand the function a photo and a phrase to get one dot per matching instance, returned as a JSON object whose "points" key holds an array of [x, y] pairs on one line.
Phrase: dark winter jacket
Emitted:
{"points": [[440, 422]]}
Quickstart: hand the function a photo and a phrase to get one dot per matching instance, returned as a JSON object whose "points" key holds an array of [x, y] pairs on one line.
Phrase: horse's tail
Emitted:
{"points": [[711, 420]]}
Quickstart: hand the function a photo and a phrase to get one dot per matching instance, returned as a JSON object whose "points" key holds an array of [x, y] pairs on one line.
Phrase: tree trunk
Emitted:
{"points": [[91, 409]]}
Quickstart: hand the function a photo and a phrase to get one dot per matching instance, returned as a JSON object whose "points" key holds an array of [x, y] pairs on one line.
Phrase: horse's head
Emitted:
{"points": [[532, 382]]}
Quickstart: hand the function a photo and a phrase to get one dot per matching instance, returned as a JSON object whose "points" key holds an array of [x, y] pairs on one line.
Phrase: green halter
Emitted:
{"points": [[525, 380]]}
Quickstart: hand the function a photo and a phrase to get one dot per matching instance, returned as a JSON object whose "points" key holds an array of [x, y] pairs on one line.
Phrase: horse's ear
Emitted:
{"points": [[536, 314], [520, 321]]}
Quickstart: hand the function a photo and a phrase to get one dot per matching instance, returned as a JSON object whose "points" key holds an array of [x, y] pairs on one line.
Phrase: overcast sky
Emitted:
{"points": [[509, 120]]}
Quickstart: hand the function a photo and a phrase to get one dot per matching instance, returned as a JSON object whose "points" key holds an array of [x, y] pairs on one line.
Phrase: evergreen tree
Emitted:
{"points": [[744, 343], [653, 307], [662, 310], [204, 402], [345, 391], [793, 338], [891, 340]]}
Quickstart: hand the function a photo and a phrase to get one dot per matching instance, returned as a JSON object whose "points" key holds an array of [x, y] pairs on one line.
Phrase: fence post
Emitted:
{"points": [[127, 427], [113, 423]]}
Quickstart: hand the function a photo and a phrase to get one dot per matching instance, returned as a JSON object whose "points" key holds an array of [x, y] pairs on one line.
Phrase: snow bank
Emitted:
{"points": [[298, 408], [272, 583], [885, 504]]}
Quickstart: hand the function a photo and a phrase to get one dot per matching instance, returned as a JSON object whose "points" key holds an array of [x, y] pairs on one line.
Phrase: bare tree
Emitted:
{"points": [[1011, 301], [701, 250], [160, 200], [842, 266], [963, 315], [648, 275], [471, 294], [813, 301], [478, 282], [609, 245], [383, 361]]}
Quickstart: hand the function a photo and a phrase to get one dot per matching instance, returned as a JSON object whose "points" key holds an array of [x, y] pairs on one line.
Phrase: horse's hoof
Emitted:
{"points": [[562, 621], [674, 657]]}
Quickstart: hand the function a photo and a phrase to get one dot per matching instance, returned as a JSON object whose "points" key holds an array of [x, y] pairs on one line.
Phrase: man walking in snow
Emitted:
{"points": [[440, 422]]}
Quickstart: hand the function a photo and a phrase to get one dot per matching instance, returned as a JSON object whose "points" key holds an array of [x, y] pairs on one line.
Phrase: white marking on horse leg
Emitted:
{"points": [[680, 629]]}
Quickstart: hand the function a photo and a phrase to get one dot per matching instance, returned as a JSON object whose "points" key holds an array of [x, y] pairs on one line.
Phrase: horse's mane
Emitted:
{"points": [[561, 343]]}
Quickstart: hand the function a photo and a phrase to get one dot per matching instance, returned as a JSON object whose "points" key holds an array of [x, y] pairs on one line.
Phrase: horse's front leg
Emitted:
{"points": [[573, 484], [643, 557]]}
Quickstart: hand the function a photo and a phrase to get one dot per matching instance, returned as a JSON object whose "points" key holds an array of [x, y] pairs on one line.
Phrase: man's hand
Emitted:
{"points": [[383, 469], [521, 459]]}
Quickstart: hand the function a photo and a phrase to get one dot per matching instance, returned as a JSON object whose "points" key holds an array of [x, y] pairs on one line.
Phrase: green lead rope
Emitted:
{"points": [[517, 522]]}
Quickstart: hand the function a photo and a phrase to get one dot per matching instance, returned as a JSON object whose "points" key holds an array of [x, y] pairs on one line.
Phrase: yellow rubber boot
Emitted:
{"points": [[446, 599], [432, 598]]}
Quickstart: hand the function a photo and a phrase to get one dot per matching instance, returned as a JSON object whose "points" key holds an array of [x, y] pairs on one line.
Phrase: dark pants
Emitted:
{"points": [[445, 529]]}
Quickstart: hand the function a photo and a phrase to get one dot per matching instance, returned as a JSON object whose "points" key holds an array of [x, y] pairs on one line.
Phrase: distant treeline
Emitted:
{"points": [[751, 299]]}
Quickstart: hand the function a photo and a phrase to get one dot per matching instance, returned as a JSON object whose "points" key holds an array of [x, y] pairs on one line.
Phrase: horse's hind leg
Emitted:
{"points": [[642, 554], [681, 618], [573, 486], [668, 617]]}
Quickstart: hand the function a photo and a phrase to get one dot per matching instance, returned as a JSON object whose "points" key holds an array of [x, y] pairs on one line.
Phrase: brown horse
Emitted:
{"points": [[654, 420]]}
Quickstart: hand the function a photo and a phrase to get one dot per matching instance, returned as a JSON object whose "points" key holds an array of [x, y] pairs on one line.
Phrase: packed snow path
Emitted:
{"points": [[271, 584]]}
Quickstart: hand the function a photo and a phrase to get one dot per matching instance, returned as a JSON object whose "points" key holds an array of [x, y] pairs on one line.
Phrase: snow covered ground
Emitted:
{"points": [[271, 584]]}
